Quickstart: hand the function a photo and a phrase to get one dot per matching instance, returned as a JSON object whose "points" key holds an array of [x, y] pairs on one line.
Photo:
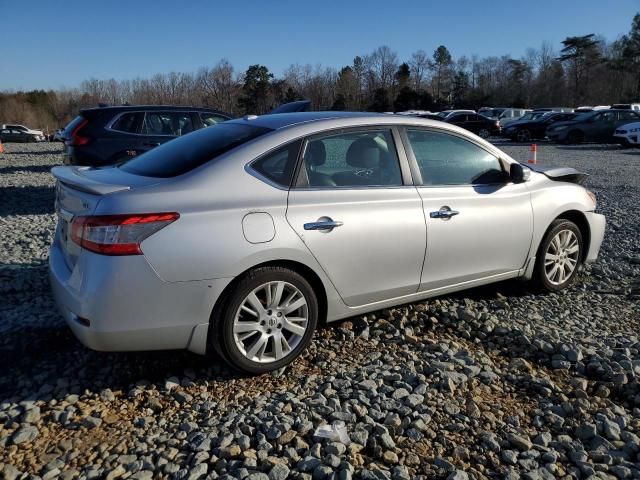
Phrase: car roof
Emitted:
{"points": [[124, 108], [280, 120]]}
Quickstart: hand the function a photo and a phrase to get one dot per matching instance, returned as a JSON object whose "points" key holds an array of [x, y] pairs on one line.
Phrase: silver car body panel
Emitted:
{"points": [[231, 220]]}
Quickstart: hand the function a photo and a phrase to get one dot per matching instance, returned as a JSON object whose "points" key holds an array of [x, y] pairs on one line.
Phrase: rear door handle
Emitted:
{"points": [[323, 225], [444, 212]]}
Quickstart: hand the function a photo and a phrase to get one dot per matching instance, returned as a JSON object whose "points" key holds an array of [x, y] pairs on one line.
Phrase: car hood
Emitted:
{"points": [[628, 126]]}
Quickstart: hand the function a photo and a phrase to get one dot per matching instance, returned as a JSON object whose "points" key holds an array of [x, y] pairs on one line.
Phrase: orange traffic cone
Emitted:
{"points": [[1, 147], [534, 154]]}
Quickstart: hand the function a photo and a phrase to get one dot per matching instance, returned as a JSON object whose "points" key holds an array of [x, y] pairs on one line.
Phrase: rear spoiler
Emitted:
{"points": [[561, 174], [73, 176]]}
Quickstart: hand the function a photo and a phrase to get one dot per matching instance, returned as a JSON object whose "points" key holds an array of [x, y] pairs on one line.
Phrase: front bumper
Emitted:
{"points": [[597, 223], [120, 303], [626, 139]]}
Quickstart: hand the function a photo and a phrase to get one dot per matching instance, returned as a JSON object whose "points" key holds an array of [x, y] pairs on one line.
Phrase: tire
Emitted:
{"points": [[575, 137], [523, 136], [246, 329], [484, 133], [559, 256]]}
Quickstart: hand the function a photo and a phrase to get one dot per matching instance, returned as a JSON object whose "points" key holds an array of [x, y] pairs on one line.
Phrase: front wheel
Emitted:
{"points": [[266, 321], [559, 255], [523, 136], [484, 133]]}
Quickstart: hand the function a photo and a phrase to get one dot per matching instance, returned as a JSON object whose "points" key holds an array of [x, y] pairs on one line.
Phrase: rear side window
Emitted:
{"points": [[171, 124], [186, 153], [127, 123], [445, 159], [278, 166]]}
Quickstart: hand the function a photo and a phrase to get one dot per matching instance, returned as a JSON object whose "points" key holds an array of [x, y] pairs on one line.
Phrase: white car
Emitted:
{"points": [[39, 134], [628, 134]]}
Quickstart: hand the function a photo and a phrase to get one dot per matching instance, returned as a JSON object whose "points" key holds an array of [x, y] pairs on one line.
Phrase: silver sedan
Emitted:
{"points": [[244, 237]]}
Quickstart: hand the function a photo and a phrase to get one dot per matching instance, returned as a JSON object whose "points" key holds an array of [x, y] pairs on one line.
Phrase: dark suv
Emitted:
{"points": [[107, 135], [597, 126]]}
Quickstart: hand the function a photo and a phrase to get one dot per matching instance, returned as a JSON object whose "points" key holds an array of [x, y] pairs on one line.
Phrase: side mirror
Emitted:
{"points": [[519, 173]]}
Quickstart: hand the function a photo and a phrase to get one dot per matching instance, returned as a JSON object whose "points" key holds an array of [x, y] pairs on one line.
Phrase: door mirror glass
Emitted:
{"points": [[519, 173]]}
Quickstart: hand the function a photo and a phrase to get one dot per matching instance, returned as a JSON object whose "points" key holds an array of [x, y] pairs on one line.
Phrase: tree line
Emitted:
{"points": [[584, 70]]}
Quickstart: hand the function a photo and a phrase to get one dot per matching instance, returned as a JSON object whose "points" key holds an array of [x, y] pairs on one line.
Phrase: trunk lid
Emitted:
{"points": [[78, 192]]}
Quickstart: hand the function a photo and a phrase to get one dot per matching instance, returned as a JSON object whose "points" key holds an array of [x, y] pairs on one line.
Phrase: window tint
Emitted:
{"points": [[126, 123], [184, 154], [279, 165], [352, 159], [209, 119], [445, 159], [627, 116], [167, 123]]}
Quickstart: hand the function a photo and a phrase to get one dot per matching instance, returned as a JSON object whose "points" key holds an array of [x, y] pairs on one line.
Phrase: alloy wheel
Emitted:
{"points": [[561, 257], [483, 133], [271, 322]]}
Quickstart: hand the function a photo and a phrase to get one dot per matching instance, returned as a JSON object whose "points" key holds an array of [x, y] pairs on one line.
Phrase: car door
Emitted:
{"points": [[602, 126], [355, 209], [479, 224]]}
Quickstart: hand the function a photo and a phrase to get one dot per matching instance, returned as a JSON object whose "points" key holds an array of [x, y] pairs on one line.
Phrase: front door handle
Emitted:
{"points": [[444, 213], [327, 224]]}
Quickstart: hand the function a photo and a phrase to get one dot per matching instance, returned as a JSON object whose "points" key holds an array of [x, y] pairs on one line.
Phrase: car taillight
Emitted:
{"points": [[118, 234], [77, 139]]}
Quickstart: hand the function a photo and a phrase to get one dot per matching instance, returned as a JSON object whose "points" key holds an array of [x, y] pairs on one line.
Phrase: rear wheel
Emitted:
{"points": [[484, 133], [523, 135], [559, 256], [267, 321]]}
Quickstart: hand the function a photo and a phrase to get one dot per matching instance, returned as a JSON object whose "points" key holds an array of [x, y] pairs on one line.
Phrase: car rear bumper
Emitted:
{"points": [[597, 223], [120, 303]]}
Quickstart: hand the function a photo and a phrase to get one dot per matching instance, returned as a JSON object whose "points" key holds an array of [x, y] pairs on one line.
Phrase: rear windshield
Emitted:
{"points": [[190, 151], [73, 123]]}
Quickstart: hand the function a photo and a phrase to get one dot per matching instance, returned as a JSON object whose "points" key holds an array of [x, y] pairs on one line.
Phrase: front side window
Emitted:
{"points": [[167, 123], [446, 159], [355, 159]]}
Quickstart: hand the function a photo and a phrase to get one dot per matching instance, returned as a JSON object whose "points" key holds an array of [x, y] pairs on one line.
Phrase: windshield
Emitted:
{"points": [[584, 116], [192, 150]]}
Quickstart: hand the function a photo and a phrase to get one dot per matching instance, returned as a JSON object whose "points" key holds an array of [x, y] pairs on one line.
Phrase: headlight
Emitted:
{"points": [[592, 196]]}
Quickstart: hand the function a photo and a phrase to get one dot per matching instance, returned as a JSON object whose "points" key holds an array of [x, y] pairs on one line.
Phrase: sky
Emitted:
{"points": [[55, 44]]}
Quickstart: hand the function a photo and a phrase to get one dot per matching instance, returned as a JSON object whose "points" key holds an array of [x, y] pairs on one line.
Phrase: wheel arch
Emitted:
{"points": [[307, 272], [577, 217]]}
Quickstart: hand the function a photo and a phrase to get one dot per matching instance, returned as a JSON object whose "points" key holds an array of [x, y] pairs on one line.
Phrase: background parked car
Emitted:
{"points": [[510, 115], [108, 135], [598, 126], [12, 135], [38, 134], [479, 124], [554, 109], [535, 128], [628, 135], [447, 113], [626, 106], [491, 112]]}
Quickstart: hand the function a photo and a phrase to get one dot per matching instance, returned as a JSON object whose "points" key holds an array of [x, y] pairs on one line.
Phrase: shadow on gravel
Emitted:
{"points": [[589, 146], [36, 152], [27, 168], [26, 201]]}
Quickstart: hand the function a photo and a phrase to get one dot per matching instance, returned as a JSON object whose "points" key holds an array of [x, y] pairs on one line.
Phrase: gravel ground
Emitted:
{"points": [[493, 382]]}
